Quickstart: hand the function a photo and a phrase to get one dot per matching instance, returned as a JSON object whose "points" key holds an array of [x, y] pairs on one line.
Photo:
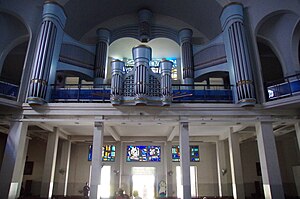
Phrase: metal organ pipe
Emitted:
{"points": [[116, 81], [166, 82], [141, 56]]}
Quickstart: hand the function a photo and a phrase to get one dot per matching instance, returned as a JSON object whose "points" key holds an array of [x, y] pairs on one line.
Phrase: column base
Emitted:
{"points": [[33, 101]]}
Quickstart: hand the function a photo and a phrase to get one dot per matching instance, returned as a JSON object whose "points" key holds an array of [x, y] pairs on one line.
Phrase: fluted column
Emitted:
{"points": [[101, 55], [166, 82], [46, 53], [185, 38], [116, 81], [141, 56], [237, 50]]}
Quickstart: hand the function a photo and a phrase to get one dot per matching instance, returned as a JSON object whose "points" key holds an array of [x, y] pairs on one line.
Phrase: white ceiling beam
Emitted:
{"points": [[114, 133], [44, 126], [171, 132]]}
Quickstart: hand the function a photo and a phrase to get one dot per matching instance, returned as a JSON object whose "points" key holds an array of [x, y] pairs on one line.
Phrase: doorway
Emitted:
{"points": [[143, 181]]}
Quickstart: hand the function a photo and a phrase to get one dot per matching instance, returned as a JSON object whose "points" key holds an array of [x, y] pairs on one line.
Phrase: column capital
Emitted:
{"points": [[231, 12], [99, 124], [53, 10], [103, 35], [185, 35]]}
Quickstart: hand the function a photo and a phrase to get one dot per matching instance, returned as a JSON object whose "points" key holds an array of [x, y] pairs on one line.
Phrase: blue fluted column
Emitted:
{"points": [[232, 20], [46, 53], [116, 81], [166, 82], [141, 56], [185, 38], [101, 55]]}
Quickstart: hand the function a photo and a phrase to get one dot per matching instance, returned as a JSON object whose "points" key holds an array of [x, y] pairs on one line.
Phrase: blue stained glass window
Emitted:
{"points": [[108, 153], [175, 153], [154, 153], [194, 153], [137, 153]]}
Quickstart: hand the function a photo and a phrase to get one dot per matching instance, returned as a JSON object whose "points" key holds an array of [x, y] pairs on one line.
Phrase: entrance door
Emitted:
{"points": [[143, 181]]}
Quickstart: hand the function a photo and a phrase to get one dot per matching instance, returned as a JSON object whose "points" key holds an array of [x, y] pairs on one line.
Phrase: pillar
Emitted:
{"points": [[97, 160], [187, 65], [49, 165], [222, 168], [297, 129], [168, 168], [185, 159], [64, 168], [46, 53], [13, 160], [269, 164], [101, 55], [232, 20], [236, 166], [23, 165]]}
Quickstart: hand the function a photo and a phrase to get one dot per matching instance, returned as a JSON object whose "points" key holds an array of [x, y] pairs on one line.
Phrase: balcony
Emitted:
{"points": [[191, 93], [288, 86]]}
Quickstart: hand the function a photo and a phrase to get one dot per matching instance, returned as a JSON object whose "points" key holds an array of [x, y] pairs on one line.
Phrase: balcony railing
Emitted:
{"points": [[9, 90], [285, 87], [190, 93]]}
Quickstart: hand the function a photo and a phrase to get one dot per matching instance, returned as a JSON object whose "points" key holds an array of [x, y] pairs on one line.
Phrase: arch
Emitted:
{"points": [[13, 64], [296, 43], [269, 61], [269, 16]]}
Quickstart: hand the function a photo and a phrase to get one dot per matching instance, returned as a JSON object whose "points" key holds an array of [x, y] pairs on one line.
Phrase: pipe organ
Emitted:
{"points": [[141, 86]]}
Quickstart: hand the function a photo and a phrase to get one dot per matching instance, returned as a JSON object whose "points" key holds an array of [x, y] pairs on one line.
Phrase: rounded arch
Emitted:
{"points": [[296, 44], [270, 63], [14, 33], [268, 18]]}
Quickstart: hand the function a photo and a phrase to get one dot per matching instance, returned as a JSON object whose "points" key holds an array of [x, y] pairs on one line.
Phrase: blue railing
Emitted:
{"points": [[9, 90], [181, 93], [285, 87]]}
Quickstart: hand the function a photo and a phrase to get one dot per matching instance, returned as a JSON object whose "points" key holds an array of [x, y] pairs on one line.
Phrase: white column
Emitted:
{"points": [[11, 170], [297, 128], [269, 161], [236, 166], [168, 168], [296, 169], [23, 165], [185, 159], [97, 160], [222, 169], [64, 168], [49, 165]]}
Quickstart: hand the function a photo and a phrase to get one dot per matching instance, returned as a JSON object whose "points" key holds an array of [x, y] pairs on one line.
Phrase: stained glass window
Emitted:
{"points": [[136, 153], [143, 153], [108, 153], [154, 153], [175, 153], [194, 153]]}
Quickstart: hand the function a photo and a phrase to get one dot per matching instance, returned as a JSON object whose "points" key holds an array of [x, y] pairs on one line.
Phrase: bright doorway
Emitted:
{"points": [[105, 181], [193, 176], [143, 181]]}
